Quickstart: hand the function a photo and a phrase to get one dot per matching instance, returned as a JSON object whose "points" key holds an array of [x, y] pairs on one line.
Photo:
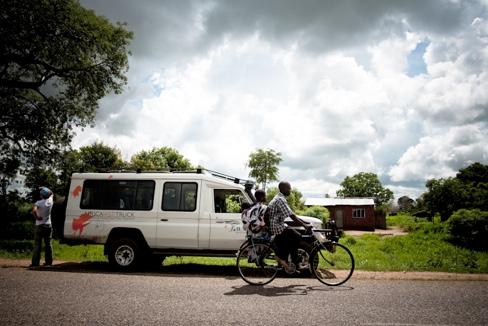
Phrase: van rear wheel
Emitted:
{"points": [[124, 254]]}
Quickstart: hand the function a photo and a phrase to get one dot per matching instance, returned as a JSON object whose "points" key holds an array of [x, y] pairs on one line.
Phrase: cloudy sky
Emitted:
{"points": [[398, 88]]}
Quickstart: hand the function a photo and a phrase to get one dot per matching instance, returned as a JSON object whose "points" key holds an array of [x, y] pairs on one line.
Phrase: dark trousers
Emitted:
{"points": [[43, 233], [286, 243]]}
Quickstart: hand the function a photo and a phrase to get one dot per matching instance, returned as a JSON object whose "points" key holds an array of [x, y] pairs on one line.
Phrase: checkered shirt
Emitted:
{"points": [[278, 210]]}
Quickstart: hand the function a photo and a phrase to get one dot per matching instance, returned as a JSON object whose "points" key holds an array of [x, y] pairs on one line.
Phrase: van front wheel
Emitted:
{"points": [[124, 254]]}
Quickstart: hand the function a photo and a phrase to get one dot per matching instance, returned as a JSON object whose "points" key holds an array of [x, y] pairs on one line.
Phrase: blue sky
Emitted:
{"points": [[416, 63], [397, 88]]}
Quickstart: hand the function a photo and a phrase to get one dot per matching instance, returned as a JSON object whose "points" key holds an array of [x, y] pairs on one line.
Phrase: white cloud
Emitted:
{"points": [[442, 155], [328, 88], [389, 57]]}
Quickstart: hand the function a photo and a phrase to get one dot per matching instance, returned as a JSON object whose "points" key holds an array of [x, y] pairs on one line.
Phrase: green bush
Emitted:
{"points": [[405, 222], [18, 230], [319, 212], [469, 228], [14, 208], [17, 220], [16, 246]]}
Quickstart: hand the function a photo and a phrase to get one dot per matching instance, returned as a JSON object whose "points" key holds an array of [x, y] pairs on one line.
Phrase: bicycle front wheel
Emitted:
{"points": [[332, 263], [256, 264]]}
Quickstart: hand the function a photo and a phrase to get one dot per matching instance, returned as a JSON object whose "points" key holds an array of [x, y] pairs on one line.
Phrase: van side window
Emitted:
{"points": [[228, 200], [118, 194], [179, 196]]}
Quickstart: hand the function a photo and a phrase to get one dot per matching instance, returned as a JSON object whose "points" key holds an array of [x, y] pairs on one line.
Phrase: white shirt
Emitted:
{"points": [[44, 207]]}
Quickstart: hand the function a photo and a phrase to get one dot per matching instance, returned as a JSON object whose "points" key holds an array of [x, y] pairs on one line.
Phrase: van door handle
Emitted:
{"points": [[164, 220]]}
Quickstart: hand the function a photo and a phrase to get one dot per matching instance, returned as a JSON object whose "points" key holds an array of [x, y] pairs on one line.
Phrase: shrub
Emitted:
{"points": [[14, 208], [16, 246], [469, 228], [18, 230], [319, 212]]}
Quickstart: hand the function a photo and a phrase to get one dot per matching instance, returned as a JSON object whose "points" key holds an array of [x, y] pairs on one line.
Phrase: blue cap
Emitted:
{"points": [[45, 192]]}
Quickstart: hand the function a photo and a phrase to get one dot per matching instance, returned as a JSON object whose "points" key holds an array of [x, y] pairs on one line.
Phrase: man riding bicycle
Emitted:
{"points": [[286, 239]]}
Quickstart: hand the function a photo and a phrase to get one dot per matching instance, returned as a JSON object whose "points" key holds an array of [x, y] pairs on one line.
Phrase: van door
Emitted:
{"points": [[178, 218], [226, 232]]}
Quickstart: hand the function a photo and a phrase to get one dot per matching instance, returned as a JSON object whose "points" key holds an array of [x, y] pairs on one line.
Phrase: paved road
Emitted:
{"points": [[74, 297]]}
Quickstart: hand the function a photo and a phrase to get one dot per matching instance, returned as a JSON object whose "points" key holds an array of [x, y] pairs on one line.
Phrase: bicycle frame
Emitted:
{"points": [[323, 239]]}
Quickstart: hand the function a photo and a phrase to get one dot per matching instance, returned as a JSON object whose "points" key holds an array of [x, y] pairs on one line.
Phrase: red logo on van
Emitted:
{"points": [[76, 191], [80, 222]]}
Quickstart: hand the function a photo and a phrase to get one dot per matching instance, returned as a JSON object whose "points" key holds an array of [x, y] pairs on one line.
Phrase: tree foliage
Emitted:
{"points": [[295, 200], [42, 177], [469, 189], [57, 59], [469, 228], [264, 166], [319, 212], [365, 184], [164, 158], [96, 157], [445, 196], [475, 174], [405, 204]]}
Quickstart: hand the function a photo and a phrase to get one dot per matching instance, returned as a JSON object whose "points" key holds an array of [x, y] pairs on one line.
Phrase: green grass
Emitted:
{"points": [[22, 249], [425, 248], [409, 223]]}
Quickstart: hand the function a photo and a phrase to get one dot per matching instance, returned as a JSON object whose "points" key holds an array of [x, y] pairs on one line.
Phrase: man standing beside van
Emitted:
{"points": [[286, 238], [43, 232]]}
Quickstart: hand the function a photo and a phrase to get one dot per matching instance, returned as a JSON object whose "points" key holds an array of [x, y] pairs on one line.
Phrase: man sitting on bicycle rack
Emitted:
{"points": [[286, 239], [253, 217]]}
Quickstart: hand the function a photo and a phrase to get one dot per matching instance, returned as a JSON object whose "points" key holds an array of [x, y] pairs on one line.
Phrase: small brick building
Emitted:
{"points": [[349, 213]]}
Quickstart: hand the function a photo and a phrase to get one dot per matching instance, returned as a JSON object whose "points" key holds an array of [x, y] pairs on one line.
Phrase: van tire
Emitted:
{"points": [[124, 254]]}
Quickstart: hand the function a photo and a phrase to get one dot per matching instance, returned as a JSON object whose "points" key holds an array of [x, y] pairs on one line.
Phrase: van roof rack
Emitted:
{"points": [[244, 182], [227, 177]]}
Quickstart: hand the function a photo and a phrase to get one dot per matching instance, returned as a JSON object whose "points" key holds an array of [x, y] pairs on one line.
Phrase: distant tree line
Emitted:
{"points": [[468, 190]]}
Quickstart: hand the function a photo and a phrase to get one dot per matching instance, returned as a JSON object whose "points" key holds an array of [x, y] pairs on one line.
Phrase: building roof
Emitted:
{"points": [[338, 201]]}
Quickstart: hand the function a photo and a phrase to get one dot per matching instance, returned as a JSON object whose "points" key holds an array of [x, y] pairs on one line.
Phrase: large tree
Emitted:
{"points": [[475, 173], [469, 189], [96, 157], [264, 166], [295, 199], [57, 59], [365, 184], [164, 158], [405, 203], [445, 196]]}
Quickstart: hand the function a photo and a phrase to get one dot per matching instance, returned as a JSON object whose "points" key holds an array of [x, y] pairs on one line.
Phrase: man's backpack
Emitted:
{"points": [[253, 218]]}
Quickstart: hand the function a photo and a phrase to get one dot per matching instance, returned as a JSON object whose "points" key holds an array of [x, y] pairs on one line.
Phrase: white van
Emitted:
{"points": [[148, 216]]}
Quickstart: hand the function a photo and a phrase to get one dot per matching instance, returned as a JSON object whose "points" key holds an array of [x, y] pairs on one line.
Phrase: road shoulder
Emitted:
{"points": [[358, 275]]}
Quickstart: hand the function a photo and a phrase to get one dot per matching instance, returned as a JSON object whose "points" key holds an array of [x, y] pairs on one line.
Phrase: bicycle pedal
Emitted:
{"points": [[291, 268]]}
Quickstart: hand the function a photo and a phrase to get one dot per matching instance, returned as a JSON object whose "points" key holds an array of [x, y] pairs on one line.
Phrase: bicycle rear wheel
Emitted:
{"points": [[332, 263], [256, 264]]}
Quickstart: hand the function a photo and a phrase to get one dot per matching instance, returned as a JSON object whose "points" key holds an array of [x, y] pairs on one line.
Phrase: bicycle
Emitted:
{"points": [[329, 261]]}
